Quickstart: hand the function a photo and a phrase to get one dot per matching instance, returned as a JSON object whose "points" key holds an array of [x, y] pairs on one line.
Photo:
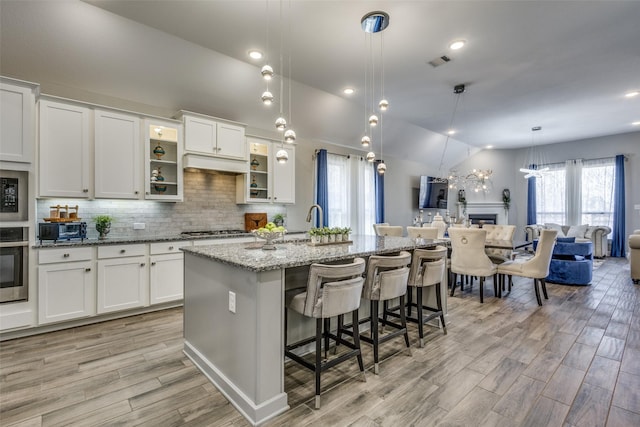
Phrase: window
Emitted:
{"points": [[351, 197], [577, 192]]}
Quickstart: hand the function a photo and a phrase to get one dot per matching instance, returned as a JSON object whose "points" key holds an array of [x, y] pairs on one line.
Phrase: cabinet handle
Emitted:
{"points": [[135, 192], [142, 264], [122, 251], [153, 263], [87, 269], [219, 149], [147, 193], [66, 255], [85, 190], [170, 248]]}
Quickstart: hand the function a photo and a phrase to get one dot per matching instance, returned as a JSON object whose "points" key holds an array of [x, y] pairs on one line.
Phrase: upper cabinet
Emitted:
{"points": [[17, 121], [117, 155], [64, 150], [209, 136], [268, 180], [163, 160]]}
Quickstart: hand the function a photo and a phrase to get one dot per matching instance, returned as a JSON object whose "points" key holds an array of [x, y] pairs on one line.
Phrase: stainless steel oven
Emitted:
{"points": [[14, 264]]}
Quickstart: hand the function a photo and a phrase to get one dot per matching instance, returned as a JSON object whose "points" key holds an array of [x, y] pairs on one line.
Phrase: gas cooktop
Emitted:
{"points": [[211, 232]]}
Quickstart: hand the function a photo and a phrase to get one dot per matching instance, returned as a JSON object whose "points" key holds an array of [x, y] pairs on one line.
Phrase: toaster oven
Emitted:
{"points": [[62, 231]]}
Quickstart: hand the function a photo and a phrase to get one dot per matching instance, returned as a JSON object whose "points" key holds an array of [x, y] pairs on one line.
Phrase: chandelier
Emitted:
{"points": [[531, 168]]}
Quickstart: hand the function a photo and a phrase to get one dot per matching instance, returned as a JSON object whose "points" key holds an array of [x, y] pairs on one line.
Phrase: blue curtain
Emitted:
{"points": [[379, 192], [322, 196], [617, 240], [531, 198]]}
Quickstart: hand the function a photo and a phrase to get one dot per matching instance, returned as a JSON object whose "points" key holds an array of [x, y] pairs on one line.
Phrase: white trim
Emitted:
{"points": [[496, 208]]}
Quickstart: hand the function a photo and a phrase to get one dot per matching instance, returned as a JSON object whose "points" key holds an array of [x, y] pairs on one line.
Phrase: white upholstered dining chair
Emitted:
{"points": [[469, 259], [537, 267], [390, 230], [375, 227], [422, 232]]}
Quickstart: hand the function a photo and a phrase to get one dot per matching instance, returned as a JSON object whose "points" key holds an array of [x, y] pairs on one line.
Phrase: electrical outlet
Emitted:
{"points": [[139, 225], [232, 302]]}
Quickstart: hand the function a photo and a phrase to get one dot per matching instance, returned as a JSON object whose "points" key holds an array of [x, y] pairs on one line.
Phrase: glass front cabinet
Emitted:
{"points": [[163, 160]]}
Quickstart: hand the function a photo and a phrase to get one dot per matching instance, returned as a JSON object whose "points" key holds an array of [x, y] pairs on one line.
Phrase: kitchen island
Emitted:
{"points": [[234, 312]]}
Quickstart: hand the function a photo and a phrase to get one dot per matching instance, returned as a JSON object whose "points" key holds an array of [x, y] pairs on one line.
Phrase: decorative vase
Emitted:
{"points": [[159, 152], [157, 174], [254, 164], [438, 222], [254, 187], [103, 230], [269, 236]]}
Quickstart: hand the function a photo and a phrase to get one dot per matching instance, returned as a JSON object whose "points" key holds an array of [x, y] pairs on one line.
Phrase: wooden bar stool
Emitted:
{"points": [[428, 268], [332, 290], [386, 279]]}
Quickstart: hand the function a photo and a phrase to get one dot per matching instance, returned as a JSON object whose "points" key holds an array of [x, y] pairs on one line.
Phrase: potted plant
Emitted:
{"points": [[314, 235], [103, 225], [278, 219], [345, 233], [337, 234]]}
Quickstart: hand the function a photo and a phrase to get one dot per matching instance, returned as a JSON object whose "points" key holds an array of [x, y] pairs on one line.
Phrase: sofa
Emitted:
{"points": [[634, 256], [597, 234]]}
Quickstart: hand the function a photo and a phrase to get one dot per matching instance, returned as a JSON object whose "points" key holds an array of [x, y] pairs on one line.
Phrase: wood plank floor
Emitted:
{"points": [[573, 362]]}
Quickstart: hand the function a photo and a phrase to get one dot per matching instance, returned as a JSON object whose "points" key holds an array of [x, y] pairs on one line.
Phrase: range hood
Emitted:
{"points": [[195, 161]]}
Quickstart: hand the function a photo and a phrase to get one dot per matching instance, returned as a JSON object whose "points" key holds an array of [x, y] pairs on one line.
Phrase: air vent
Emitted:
{"points": [[439, 61]]}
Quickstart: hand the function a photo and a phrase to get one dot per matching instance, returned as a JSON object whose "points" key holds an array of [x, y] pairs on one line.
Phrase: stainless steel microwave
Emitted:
{"points": [[62, 231]]}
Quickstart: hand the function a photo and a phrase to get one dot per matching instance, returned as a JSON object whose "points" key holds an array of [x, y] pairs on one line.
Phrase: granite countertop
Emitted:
{"points": [[142, 239], [250, 256]]}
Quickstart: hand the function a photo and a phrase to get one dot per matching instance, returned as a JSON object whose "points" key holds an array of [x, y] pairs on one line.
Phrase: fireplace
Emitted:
{"points": [[489, 212], [482, 218]]}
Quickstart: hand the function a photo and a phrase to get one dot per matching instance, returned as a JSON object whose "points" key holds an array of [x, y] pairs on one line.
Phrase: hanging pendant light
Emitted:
{"points": [[281, 123], [267, 72], [373, 120], [289, 136], [365, 141], [371, 156], [383, 105], [382, 168], [282, 156], [267, 98]]}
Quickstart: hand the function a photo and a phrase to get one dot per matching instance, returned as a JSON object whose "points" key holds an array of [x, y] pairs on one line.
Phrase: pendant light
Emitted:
{"points": [[281, 123], [531, 168], [267, 71]]}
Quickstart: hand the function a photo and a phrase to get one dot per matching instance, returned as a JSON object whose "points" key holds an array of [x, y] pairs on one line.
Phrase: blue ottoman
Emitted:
{"points": [[571, 263]]}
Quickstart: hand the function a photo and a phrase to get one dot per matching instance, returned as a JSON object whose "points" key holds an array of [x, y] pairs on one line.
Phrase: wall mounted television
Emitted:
{"points": [[433, 193]]}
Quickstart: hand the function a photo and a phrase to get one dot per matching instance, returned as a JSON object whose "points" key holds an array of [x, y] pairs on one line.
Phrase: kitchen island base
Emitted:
{"points": [[241, 353]]}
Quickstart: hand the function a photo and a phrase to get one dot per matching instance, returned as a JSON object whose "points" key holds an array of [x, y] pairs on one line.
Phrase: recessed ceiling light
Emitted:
{"points": [[348, 91], [255, 54], [489, 147], [451, 132], [632, 94], [457, 44], [636, 123]]}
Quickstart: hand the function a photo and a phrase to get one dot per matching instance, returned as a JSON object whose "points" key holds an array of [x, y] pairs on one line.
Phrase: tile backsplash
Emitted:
{"points": [[209, 204]]}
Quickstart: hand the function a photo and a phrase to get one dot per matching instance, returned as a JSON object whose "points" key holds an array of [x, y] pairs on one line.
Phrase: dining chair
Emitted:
{"points": [[468, 258], [500, 232], [375, 227], [536, 268], [390, 230], [422, 232]]}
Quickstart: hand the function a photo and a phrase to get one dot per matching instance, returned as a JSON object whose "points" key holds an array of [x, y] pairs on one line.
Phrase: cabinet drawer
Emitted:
{"points": [[49, 256], [167, 247], [120, 251]]}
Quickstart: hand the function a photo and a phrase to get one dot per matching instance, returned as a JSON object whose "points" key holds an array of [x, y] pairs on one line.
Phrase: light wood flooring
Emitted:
{"points": [[573, 362]]}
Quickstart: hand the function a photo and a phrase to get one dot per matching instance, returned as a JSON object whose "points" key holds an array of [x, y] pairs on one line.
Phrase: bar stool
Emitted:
{"points": [[428, 268], [386, 279], [332, 290]]}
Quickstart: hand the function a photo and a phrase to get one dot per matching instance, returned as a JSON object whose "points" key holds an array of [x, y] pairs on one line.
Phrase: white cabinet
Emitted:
{"points": [[163, 160], [17, 120], [66, 284], [268, 180], [122, 277], [117, 155], [166, 272], [206, 135], [64, 150]]}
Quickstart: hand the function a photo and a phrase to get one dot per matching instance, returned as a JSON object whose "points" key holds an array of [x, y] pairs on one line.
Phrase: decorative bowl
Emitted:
{"points": [[269, 236]]}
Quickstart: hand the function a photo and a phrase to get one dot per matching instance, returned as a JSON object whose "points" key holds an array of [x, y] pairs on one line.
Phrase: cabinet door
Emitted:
{"points": [[231, 142], [66, 291], [117, 155], [17, 123], [163, 155], [283, 182], [64, 150], [166, 278], [200, 135], [122, 284]]}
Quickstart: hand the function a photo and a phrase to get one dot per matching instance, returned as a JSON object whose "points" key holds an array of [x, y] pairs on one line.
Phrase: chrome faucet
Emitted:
{"points": [[319, 213]]}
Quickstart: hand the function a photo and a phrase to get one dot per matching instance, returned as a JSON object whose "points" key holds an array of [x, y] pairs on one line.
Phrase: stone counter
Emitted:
{"points": [[295, 253]]}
